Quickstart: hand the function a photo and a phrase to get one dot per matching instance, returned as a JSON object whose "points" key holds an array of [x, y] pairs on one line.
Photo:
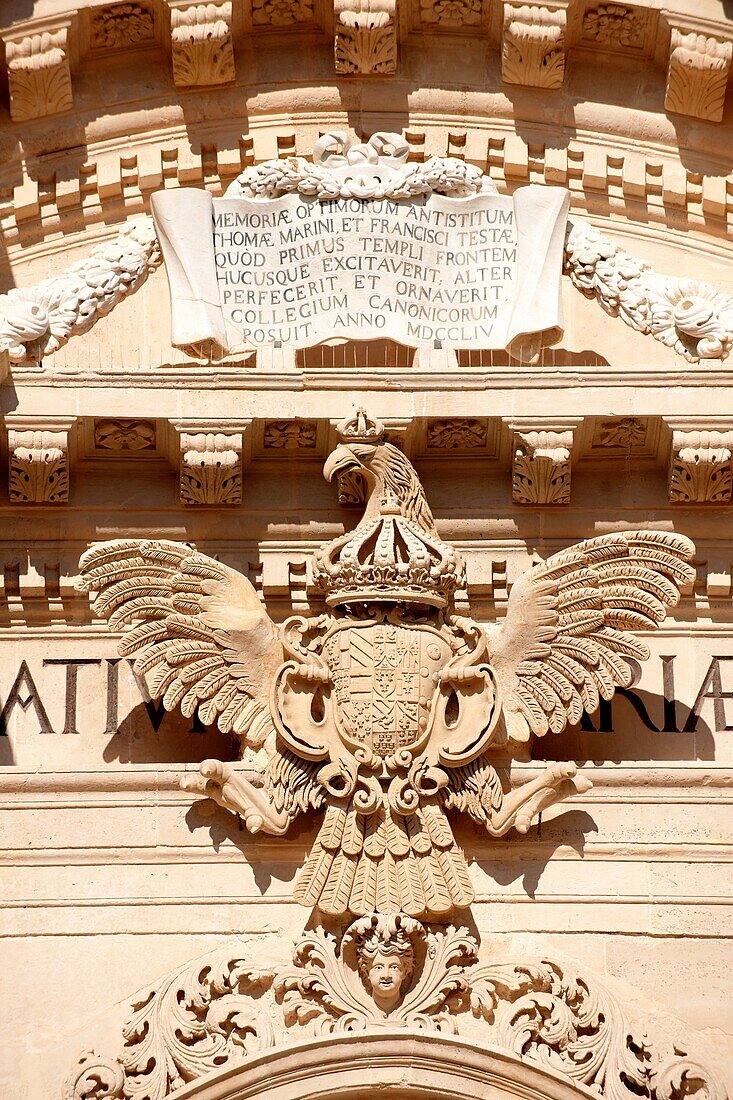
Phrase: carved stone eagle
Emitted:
{"points": [[382, 713]]}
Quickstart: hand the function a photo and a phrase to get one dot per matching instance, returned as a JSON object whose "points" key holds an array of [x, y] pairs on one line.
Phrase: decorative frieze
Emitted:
{"points": [[38, 466], [211, 468], [533, 45], [39, 74], [121, 26], [366, 36], [697, 75], [541, 467], [616, 26], [289, 435], [124, 435], [622, 433], [390, 971], [201, 43], [701, 468], [281, 13], [456, 434], [451, 13]]}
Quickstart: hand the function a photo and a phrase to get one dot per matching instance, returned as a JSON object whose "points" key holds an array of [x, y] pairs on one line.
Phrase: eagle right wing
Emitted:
{"points": [[196, 629]]}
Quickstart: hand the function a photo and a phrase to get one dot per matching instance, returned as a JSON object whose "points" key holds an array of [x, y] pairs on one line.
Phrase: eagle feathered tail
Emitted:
{"points": [[385, 861]]}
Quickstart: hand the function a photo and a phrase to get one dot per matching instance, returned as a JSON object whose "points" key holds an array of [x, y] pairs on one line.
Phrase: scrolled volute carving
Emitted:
{"points": [[204, 1016], [389, 970], [554, 1015]]}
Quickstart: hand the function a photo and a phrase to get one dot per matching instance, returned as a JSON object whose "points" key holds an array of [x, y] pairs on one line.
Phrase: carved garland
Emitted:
{"points": [[689, 316], [388, 970]]}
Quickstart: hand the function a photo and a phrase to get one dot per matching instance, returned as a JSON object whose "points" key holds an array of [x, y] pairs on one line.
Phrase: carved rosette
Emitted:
{"points": [[289, 435], [541, 467], [451, 13], [389, 970], [697, 75], [533, 45], [281, 13], [124, 435], [366, 36], [614, 25], [211, 468], [39, 467], [121, 25], [701, 468], [456, 434], [201, 43]]}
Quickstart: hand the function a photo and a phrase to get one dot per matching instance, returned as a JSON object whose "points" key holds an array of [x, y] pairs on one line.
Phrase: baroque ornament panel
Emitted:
{"points": [[382, 714], [390, 971], [692, 318]]}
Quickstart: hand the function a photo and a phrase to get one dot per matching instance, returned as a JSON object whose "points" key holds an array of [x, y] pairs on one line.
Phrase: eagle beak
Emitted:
{"points": [[340, 459]]}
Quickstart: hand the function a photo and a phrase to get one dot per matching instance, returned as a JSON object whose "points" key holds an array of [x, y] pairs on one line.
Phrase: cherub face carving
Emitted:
{"points": [[386, 973]]}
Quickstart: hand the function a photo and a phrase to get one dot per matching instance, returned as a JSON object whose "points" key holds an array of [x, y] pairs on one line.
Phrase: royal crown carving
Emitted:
{"points": [[388, 970], [382, 713]]}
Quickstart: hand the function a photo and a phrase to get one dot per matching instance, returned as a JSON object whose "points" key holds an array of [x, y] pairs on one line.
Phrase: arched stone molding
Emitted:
{"points": [[395, 1064]]}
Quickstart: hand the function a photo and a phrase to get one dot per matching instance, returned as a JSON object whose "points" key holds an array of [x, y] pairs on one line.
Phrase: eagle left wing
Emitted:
{"points": [[565, 641], [196, 629]]}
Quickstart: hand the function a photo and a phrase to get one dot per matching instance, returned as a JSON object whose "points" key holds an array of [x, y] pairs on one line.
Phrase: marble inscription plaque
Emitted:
{"points": [[479, 272]]}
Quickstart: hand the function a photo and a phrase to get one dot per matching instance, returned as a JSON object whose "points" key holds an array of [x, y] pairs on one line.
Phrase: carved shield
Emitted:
{"points": [[384, 682]]}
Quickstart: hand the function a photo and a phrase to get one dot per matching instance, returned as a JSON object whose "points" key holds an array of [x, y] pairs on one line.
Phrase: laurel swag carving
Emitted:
{"points": [[691, 317], [389, 970]]}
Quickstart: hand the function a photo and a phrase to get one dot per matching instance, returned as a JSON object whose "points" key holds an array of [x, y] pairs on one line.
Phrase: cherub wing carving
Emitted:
{"points": [[565, 641], [196, 629]]}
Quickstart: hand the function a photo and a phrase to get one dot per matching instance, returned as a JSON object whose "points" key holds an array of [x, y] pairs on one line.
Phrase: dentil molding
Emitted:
{"points": [[689, 316]]}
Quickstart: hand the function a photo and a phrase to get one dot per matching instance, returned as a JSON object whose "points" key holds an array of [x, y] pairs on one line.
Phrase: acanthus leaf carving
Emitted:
{"points": [[39, 467], [456, 434], [541, 467], [701, 468], [201, 43], [39, 74], [697, 74], [533, 45], [390, 971], [211, 468], [366, 36]]}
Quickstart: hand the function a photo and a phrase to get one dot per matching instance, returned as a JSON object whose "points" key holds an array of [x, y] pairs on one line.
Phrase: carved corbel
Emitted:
{"points": [[697, 74], [38, 466], [533, 45], [211, 468], [39, 74], [201, 43], [541, 467], [365, 36], [701, 468]]}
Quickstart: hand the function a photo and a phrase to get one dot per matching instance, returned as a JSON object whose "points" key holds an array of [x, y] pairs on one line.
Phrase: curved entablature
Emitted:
{"points": [[547, 93]]}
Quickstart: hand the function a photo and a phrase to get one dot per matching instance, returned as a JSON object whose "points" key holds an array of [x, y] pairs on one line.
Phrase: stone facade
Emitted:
{"points": [[225, 874]]}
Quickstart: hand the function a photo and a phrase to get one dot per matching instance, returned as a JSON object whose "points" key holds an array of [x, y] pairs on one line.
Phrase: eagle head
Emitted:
{"points": [[390, 477]]}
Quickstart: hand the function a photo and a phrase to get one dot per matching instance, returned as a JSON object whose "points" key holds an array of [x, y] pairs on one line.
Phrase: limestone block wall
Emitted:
{"points": [[110, 875]]}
